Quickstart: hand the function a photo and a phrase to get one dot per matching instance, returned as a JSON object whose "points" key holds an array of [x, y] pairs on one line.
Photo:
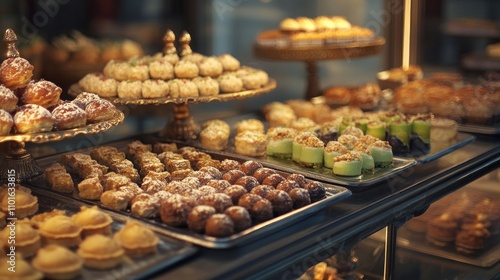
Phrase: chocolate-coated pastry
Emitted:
{"points": [[235, 192], [248, 182], [260, 209], [281, 201], [233, 175], [214, 172], [218, 185], [299, 178], [262, 190], [219, 225], [262, 173], [250, 166], [219, 201], [287, 185], [316, 190], [300, 197], [174, 210], [228, 164], [198, 217], [273, 180], [240, 216]]}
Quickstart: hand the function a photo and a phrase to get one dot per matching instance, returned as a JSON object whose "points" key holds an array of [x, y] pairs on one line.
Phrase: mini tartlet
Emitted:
{"points": [[26, 203], [24, 271], [57, 262], [136, 239], [92, 221], [27, 239], [61, 230], [100, 252]]}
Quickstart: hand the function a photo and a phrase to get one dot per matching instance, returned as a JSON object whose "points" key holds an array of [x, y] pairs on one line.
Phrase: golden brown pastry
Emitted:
{"points": [[8, 100], [26, 238], [100, 110], [136, 239], [26, 203], [60, 230], [32, 118], [16, 72], [100, 252], [6, 123], [44, 93], [92, 221], [23, 270], [57, 262], [68, 115], [90, 188], [38, 219], [58, 178]]}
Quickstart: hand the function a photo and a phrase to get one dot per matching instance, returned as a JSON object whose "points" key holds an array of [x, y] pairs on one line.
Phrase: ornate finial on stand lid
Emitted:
{"points": [[184, 40], [10, 38], [169, 39]]}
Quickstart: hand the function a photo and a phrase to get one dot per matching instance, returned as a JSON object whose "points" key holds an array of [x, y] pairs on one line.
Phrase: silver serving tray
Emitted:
{"points": [[334, 194], [170, 251]]}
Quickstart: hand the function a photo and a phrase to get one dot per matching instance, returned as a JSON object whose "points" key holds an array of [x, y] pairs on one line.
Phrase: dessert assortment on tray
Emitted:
{"points": [[170, 76], [322, 30], [58, 238], [32, 106], [211, 200]]}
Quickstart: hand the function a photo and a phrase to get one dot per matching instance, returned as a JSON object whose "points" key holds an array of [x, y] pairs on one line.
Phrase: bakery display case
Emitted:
{"points": [[360, 181]]}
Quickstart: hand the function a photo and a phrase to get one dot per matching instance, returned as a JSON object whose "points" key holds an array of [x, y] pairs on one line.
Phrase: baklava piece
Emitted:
{"points": [[59, 179]]}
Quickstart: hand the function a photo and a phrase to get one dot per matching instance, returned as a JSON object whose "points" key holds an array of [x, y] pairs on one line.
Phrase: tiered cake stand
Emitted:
{"points": [[182, 127], [311, 54], [16, 164]]}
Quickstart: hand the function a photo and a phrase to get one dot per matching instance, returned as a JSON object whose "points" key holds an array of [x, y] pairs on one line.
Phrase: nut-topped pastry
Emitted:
{"points": [[100, 252], [250, 143], [136, 239], [348, 164]]}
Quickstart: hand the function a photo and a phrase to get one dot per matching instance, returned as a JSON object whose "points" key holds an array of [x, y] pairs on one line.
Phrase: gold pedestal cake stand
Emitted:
{"points": [[311, 54], [182, 127], [16, 164]]}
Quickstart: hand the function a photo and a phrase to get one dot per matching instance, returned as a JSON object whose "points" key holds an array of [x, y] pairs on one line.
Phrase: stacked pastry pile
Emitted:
{"points": [[183, 187], [466, 221], [321, 30], [28, 106], [168, 76], [59, 244], [366, 97]]}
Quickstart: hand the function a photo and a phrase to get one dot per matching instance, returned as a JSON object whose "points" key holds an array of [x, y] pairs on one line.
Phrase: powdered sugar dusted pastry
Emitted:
{"points": [[214, 138], [155, 89], [249, 124], [210, 66], [129, 89], [183, 88], [229, 62], [68, 115], [206, 86], [16, 72], [6, 122], [230, 83], [84, 98], [8, 100], [99, 110], [186, 69], [250, 143], [161, 69], [42, 92], [32, 118]]}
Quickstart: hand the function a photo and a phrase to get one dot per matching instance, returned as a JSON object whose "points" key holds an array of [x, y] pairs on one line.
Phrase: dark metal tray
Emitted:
{"points": [[169, 252], [481, 129], [333, 194]]}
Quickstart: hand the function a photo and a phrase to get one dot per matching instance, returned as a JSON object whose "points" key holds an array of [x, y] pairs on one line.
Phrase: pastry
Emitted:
{"points": [[16, 72], [129, 89], [381, 152], [155, 89], [250, 143], [106, 87], [300, 197], [316, 190], [443, 133], [115, 199], [409, 100], [261, 190], [228, 164], [90, 188], [32, 118], [311, 151], [297, 178], [60, 230], [289, 25], [367, 96], [185, 69], [260, 209], [219, 225], [472, 237], [68, 115], [298, 142], [352, 130], [240, 216], [287, 185], [206, 86], [84, 98], [175, 210], [100, 252], [58, 178], [249, 125], [136, 239], [338, 95], [333, 149], [26, 239], [262, 173], [234, 192], [214, 138], [248, 182], [183, 88], [6, 123], [23, 270], [219, 201], [198, 217], [229, 62], [26, 203], [303, 124], [161, 69], [233, 175], [92, 221], [281, 201], [273, 180], [100, 110], [442, 230], [57, 262], [368, 161], [348, 164], [193, 57], [230, 83], [38, 219], [8, 100], [210, 66]]}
